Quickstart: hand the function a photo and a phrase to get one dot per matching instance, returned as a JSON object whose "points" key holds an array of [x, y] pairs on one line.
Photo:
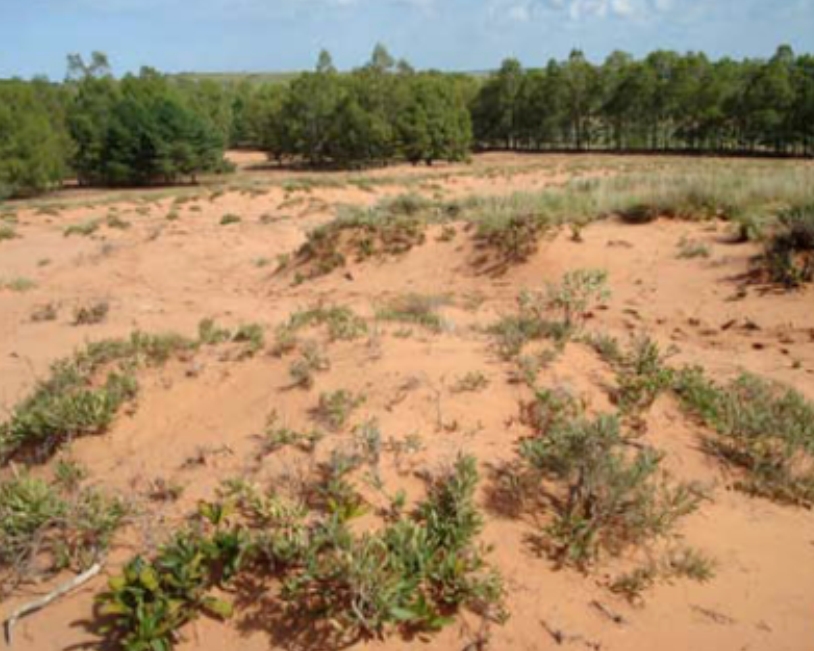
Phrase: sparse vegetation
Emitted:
{"points": [[310, 362], [341, 322], [334, 409], [82, 397], [411, 575], [46, 527], [414, 309], [253, 338], [117, 222], [152, 599], [91, 314], [762, 428], [390, 228], [641, 374], [229, 219], [790, 250], [689, 249], [85, 229], [19, 284], [472, 382], [605, 499]]}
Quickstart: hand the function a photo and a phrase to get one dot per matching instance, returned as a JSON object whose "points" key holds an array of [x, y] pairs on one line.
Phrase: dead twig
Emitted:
{"points": [[718, 618], [52, 596], [616, 618]]}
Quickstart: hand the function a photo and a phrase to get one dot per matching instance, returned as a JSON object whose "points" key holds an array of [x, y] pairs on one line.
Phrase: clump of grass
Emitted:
{"points": [[277, 436], [85, 229], [78, 399], [165, 490], [691, 564], [606, 346], [572, 297], [117, 222], [46, 527], [513, 332], [472, 382], [91, 314], [334, 409], [19, 284], [229, 219], [415, 309], [789, 255], [557, 312], [642, 375], [384, 230], [7, 232], [341, 322], [763, 428], [632, 584], [211, 334], [311, 361], [684, 563], [605, 498], [689, 249], [253, 336], [514, 238]]}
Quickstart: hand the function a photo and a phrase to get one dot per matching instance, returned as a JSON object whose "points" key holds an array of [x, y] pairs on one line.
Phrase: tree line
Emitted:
{"points": [[153, 128], [664, 102]]}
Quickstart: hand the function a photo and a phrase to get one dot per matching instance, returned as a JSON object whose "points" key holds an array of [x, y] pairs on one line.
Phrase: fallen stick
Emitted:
{"points": [[42, 602], [616, 618]]}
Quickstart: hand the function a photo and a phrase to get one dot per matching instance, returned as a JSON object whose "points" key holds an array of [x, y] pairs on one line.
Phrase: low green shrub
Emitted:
{"points": [[789, 255], [46, 527], [605, 498], [763, 428]]}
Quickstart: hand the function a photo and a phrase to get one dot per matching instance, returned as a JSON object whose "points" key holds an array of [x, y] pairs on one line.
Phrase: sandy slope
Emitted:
{"points": [[196, 421]]}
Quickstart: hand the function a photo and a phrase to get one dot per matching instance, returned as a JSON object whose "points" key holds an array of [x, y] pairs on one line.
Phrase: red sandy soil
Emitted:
{"points": [[166, 276]]}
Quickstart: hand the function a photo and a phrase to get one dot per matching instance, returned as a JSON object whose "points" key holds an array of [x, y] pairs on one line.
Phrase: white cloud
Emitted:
{"points": [[581, 10]]}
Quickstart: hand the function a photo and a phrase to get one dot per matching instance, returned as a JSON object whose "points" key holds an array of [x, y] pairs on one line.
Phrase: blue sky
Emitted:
{"points": [[261, 35]]}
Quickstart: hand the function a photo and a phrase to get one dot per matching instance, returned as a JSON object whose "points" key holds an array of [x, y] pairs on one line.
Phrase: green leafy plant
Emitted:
{"points": [[151, 600], [411, 575]]}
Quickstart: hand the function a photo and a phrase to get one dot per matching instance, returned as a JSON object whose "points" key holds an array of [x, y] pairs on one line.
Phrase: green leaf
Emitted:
{"points": [[403, 614], [149, 579], [218, 607]]}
